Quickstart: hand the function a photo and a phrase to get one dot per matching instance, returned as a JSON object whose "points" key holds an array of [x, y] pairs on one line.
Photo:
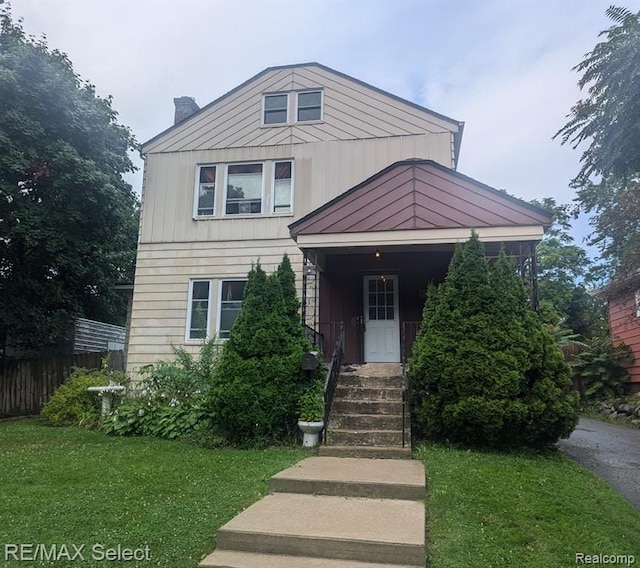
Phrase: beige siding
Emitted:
{"points": [[362, 132], [351, 110], [323, 170], [161, 291]]}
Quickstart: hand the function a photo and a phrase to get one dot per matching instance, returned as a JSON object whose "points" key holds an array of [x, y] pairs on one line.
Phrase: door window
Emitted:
{"points": [[380, 300]]}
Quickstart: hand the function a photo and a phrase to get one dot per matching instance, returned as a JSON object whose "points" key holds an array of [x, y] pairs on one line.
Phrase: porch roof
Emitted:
{"points": [[419, 201]]}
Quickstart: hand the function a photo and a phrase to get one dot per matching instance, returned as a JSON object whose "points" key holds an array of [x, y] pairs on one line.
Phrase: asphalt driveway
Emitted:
{"points": [[610, 451]]}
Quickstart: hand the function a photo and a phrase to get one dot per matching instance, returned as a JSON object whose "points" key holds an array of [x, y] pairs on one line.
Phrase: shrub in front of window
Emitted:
{"points": [[254, 396], [485, 371]]}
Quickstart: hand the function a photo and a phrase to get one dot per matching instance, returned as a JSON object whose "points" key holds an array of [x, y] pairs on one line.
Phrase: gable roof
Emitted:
{"points": [[248, 95], [419, 194]]}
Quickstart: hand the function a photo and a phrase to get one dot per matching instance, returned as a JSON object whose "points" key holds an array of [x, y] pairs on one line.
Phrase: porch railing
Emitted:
{"points": [[410, 331], [332, 377]]}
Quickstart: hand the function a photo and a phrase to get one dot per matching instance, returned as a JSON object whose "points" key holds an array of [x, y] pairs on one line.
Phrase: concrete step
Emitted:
{"points": [[344, 392], [353, 477], [351, 380], [235, 559], [344, 406], [364, 437], [367, 421], [390, 531], [375, 452]]}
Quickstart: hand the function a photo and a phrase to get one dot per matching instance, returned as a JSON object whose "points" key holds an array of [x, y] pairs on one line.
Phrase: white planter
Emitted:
{"points": [[311, 432]]}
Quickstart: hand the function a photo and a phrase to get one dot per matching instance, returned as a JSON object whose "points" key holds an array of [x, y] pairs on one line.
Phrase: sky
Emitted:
{"points": [[504, 68]]}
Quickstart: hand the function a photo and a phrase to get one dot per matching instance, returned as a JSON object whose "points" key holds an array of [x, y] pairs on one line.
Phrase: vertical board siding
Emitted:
{"points": [[27, 385], [625, 327]]}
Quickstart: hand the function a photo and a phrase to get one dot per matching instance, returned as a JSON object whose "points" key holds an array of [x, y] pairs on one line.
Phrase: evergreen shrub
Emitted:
{"points": [[484, 370], [257, 385]]}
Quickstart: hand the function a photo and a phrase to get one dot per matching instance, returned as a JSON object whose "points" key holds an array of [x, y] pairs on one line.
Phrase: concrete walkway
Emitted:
{"points": [[331, 512]]}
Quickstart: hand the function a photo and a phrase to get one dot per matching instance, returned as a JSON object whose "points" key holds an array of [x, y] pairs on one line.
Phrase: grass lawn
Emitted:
{"points": [[489, 510], [74, 487]]}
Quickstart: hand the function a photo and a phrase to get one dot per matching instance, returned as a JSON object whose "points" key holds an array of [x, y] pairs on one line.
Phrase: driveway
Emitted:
{"points": [[610, 451]]}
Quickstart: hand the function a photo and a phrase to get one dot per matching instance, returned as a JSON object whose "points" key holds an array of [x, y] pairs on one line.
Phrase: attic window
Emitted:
{"points": [[276, 109], [309, 106]]}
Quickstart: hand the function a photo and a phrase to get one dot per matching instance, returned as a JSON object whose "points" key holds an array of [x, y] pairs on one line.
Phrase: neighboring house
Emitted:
{"points": [[623, 302], [357, 185]]}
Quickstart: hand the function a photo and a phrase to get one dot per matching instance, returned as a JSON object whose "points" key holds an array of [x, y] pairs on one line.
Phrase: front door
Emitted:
{"points": [[381, 319]]}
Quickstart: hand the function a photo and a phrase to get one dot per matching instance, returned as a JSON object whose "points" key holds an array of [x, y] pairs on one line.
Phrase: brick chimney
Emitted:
{"points": [[185, 107]]}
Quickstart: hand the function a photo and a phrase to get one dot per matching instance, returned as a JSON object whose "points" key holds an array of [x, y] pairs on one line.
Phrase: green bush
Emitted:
{"points": [[484, 370], [73, 405], [168, 401], [254, 396], [311, 405], [601, 366]]}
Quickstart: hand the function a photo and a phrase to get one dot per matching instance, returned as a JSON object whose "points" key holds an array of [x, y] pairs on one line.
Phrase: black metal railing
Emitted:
{"points": [[332, 377], [314, 336], [410, 331]]}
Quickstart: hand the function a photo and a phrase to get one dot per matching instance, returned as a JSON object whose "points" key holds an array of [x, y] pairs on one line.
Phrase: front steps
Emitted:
{"points": [[331, 513], [367, 415]]}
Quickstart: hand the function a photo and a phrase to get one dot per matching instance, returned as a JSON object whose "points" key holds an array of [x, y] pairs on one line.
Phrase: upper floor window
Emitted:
{"points": [[276, 109], [198, 312], [205, 191], [282, 187], [244, 189], [638, 303], [309, 106]]}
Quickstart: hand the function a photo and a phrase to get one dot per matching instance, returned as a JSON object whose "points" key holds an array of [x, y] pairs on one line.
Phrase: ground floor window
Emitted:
{"points": [[231, 296], [198, 316]]}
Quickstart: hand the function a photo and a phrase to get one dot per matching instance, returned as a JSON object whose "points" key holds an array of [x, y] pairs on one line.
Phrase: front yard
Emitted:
{"points": [[73, 487]]}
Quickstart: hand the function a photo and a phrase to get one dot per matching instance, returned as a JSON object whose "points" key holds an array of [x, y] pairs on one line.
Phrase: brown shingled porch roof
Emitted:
{"points": [[417, 195]]}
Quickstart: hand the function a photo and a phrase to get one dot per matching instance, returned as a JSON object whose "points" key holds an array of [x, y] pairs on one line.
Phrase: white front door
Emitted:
{"points": [[381, 320]]}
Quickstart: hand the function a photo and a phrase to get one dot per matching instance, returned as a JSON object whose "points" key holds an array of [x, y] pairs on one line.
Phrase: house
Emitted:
{"points": [[623, 306], [358, 186]]}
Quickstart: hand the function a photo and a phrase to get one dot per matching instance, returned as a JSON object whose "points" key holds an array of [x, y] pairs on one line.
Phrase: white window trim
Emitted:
{"points": [[189, 317], [219, 306], [295, 115], [263, 207], [196, 191], [273, 188], [638, 303], [262, 110]]}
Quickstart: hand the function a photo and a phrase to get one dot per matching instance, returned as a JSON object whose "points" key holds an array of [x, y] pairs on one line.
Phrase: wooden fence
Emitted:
{"points": [[28, 384]]}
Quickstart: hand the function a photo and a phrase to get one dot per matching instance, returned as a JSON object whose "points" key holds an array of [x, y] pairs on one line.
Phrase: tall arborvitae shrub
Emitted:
{"points": [[258, 381], [484, 372]]}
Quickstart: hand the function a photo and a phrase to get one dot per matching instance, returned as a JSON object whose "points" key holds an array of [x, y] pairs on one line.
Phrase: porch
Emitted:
{"points": [[376, 295], [370, 253]]}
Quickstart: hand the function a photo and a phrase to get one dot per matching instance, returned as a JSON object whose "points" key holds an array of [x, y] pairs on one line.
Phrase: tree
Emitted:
{"points": [[259, 380], [562, 269], [484, 371], [68, 220], [608, 119]]}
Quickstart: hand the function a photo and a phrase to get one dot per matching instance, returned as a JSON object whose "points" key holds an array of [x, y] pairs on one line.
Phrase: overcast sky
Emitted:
{"points": [[502, 67]]}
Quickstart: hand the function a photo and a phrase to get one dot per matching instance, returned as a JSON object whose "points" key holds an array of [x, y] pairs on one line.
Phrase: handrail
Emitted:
{"points": [[332, 377], [410, 331]]}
